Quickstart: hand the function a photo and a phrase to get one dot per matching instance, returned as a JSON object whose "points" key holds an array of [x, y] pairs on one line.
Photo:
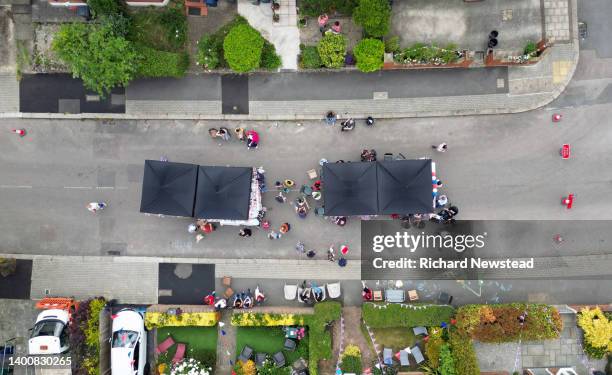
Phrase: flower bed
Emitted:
{"points": [[84, 336], [200, 319], [597, 327], [201, 343], [387, 315], [501, 323], [255, 319]]}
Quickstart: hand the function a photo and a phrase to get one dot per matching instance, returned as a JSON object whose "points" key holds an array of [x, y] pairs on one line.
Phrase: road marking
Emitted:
{"points": [[15, 186], [78, 187], [105, 187]]}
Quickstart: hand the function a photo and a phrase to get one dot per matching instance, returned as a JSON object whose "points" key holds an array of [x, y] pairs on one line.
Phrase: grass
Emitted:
{"points": [[201, 342], [162, 29], [395, 338], [269, 340]]}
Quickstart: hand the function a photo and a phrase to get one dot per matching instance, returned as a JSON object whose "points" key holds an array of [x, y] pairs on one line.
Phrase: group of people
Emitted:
{"points": [[242, 300], [201, 227], [251, 137], [368, 155], [324, 27]]}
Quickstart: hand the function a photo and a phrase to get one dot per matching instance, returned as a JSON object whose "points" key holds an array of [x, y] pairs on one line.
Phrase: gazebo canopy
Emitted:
{"points": [[404, 187], [223, 193], [168, 188], [350, 189]]}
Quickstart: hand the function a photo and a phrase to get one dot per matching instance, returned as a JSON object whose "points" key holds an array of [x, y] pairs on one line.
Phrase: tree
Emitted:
{"points": [[97, 55], [373, 16], [332, 49], [370, 54], [242, 48]]}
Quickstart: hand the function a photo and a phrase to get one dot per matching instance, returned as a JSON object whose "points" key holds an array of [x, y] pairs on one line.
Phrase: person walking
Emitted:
{"points": [[252, 138], [273, 235], [19, 132], [442, 147], [331, 254], [245, 232], [284, 228], [96, 206]]}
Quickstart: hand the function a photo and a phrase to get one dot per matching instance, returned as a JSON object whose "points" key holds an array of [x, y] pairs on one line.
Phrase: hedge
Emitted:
{"points": [[464, 355], [370, 54], [500, 323], [399, 315], [374, 16], [319, 337], [269, 58], [201, 319], [242, 48], [154, 63]]}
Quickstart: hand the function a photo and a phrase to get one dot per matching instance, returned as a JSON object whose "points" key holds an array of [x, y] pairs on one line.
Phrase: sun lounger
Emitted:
{"points": [[403, 358], [418, 356], [279, 359], [290, 292], [333, 290], [387, 356], [419, 331], [179, 354], [395, 295], [164, 345]]}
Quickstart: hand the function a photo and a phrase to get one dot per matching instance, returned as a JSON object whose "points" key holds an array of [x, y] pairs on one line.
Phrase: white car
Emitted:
{"points": [[128, 344], [50, 333]]}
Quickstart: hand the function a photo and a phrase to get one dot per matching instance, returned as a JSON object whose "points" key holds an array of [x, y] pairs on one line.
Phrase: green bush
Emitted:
{"points": [[309, 58], [269, 59], [332, 49], [95, 54], [106, 7], [392, 44], [530, 48], [432, 347], [500, 323], [208, 52], [164, 29], [154, 63], [174, 21], [314, 8], [242, 48], [370, 54], [464, 355], [374, 16], [395, 315], [351, 365], [447, 363]]}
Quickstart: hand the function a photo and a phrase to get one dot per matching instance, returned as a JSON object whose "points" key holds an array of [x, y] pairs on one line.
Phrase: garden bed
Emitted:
{"points": [[269, 340]]}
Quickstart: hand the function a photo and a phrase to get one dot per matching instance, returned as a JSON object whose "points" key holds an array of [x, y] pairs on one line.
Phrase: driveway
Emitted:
{"points": [[467, 24]]}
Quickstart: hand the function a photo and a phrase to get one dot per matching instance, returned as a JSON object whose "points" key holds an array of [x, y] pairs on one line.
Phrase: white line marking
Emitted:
{"points": [[105, 187], [15, 186], [78, 187]]}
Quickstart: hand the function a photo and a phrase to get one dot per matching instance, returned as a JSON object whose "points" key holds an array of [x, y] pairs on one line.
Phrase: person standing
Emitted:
{"points": [[311, 254], [441, 201], [273, 235], [252, 138], [284, 228], [331, 254], [245, 232], [442, 147], [323, 19], [336, 29], [192, 228]]}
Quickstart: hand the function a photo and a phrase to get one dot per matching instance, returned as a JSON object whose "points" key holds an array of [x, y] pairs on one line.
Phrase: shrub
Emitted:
{"points": [[154, 63], [242, 48], [464, 355], [500, 323], [530, 48], [373, 16], [174, 22], [447, 363], [351, 360], [95, 54], [332, 49], [309, 58], [105, 7], [84, 336], [597, 329], [395, 315], [159, 319], [314, 8], [392, 44], [420, 53], [269, 59], [432, 347], [369, 54], [267, 320], [208, 52]]}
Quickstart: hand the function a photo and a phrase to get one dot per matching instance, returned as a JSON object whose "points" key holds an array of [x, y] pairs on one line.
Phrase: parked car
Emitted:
{"points": [[129, 344], [50, 333]]}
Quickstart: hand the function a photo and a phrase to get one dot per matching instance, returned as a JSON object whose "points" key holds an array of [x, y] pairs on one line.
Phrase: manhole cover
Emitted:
{"points": [[183, 270]]}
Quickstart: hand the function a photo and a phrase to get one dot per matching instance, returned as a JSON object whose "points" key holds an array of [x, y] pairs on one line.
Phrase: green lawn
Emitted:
{"points": [[162, 29], [201, 342], [395, 338], [269, 340]]}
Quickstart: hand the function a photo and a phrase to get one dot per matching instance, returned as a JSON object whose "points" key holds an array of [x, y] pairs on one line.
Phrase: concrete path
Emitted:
{"points": [[226, 344]]}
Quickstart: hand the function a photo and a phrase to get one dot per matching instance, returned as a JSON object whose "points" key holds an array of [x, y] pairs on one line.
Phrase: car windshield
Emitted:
{"points": [[47, 328], [125, 339]]}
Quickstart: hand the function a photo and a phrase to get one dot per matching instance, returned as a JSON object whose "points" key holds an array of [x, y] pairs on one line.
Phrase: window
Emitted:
{"points": [[124, 339]]}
